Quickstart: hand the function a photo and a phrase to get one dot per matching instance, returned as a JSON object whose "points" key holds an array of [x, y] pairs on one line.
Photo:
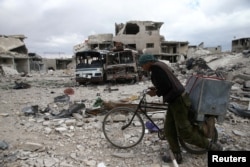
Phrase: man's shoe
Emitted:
{"points": [[208, 127], [215, 147], [167, 158]]}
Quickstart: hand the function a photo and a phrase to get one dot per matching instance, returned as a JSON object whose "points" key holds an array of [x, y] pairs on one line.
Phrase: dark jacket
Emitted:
{"points": [[165, 82]]}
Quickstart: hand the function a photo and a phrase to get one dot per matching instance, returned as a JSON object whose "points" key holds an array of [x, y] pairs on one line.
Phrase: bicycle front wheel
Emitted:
{"points": [[123, 128]]}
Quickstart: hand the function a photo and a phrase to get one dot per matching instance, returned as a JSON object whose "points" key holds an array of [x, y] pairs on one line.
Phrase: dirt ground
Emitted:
{"points": [[83, 143]]}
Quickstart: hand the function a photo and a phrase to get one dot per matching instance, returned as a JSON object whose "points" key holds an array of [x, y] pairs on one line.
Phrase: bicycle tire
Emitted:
{"points": [[197, 150], [112, 125]]}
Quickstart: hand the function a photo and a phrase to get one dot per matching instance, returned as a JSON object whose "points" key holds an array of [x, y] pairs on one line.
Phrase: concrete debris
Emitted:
{"points": [[68, 112], [234, 108], [30, 146], [101, 165], [239, 133], [3, 145], [4, 114], [30, 110], [21, 85], [66, 130], [8, 71], [63, 98], [197, 64], [123, 155]]}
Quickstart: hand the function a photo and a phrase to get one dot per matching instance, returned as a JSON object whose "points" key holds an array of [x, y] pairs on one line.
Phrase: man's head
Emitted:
{"points": [[144, 59]]}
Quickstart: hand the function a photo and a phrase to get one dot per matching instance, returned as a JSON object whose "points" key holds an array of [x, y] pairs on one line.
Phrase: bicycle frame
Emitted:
{"points": [[137, 135], [142, 109]]}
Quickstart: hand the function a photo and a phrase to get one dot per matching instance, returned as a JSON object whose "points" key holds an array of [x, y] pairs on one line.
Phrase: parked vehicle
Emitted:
{"points": [[121, 66], [90, 67]]}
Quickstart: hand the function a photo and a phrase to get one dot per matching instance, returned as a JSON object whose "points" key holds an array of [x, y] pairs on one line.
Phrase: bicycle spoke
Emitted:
{"points": [[129, 136]]}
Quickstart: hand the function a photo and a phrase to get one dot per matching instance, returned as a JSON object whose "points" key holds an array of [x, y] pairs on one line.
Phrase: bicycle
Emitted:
{"points": [[124, 127]]}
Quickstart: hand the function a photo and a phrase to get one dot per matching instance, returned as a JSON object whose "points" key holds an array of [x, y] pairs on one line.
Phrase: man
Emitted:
{"points": [[176, 122]]}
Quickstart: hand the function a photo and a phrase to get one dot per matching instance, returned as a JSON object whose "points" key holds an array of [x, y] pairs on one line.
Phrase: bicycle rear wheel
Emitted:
{"points": [[197, 150], [116, 120]]}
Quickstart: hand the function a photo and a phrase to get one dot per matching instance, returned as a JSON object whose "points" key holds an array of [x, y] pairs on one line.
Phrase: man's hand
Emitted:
{"points": [[152, 92], [152, 88]]}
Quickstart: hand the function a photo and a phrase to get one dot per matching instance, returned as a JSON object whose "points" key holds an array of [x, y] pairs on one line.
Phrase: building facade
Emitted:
{"points": [[241, 44]]}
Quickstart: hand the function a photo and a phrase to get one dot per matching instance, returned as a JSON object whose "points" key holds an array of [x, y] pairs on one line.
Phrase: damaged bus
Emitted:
{"points": [[121, 66], [89, 67]]}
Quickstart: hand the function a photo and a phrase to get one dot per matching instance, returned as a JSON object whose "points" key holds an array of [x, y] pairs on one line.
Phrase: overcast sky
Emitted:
{"points": [[55, 26]]}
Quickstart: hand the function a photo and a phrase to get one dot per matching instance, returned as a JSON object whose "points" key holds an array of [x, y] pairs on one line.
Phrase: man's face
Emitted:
{"points": [[146, 66]]}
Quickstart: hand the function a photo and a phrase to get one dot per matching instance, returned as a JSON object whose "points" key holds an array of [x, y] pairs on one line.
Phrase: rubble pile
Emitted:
{"points": [[7, 71], [44, 126]]}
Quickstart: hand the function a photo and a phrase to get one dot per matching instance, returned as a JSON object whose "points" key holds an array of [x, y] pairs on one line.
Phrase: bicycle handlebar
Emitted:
{"points": [[147, 90]]}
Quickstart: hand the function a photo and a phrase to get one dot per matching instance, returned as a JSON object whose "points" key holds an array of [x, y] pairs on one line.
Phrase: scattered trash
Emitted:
{"points": [[197, 64], [246, 86], [3, 145], [236, 109], [109, 89], [46, 110], [72, 109], [63, 98], [131, 98], [151, 127], [69, 91], [95, 111], [98, 102], [30, 110], [21, 85]]}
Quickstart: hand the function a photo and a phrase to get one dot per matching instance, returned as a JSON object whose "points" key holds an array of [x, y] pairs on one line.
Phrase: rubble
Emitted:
{"points": [[3, 145], [236, 109], [76, 139], [21, 85]]}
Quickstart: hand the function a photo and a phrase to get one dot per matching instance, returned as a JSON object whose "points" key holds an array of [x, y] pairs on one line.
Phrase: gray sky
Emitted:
{"points": [[57, 25]]}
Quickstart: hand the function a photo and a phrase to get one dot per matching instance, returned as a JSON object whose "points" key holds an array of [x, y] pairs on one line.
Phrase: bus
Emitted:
{"points": [[122, 66], [90, 67]]}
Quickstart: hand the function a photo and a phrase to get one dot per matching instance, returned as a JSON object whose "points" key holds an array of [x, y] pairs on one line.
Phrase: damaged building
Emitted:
{"points": [[13, 53], [100, 41], [194, 50], [241, 44], [95, 42], [36, 62], [139, 36], [57, 63], [14, 57], [131, 39], [144, 36]]}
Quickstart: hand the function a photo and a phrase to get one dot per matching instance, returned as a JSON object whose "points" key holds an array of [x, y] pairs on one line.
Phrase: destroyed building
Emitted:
{"points": [[216, 49], [95, 42], [36, 62], [13, 53], [101, 41], [14, 57], [241, 44], [57, 63], [207, 50], [144, 36]]}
